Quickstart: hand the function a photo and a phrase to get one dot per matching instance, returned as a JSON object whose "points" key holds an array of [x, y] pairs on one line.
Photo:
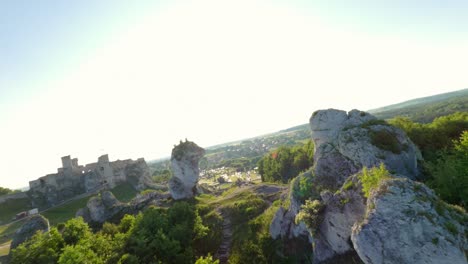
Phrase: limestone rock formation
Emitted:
{"points": [[284, 222], [101, 208], [106, 208], [344, 143], [28, 229], [342, 210], [401, 222], [185, 171], [407, 223]]}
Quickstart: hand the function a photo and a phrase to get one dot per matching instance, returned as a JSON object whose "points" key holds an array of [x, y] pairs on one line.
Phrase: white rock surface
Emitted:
{"points": [[407, 223], [185, 171], [344, 143]]}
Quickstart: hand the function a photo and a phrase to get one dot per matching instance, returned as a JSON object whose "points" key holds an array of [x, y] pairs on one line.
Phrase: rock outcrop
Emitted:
{"points": [[102, 208], [344, 143], [401, 222], [342, 210], [284, 221], [28, 229], [407, 223], [185, 171], [106, 208]]}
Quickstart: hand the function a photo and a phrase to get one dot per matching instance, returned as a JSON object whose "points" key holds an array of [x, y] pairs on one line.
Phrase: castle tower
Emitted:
{"points": [[66, 162]]}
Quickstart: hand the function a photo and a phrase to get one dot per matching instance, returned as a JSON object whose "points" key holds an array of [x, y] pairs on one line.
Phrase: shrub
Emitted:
{"points": [[208, 260], [451, 228], [370, 178], [348, 185], [386, 140], [311, 214]]}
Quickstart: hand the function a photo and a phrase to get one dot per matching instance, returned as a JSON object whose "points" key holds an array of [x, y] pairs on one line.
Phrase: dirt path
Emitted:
{"points": [[267, 191], [225, 247]]}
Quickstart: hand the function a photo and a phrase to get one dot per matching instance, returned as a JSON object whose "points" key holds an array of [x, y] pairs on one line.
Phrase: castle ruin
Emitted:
{"points": [[74, 179]]}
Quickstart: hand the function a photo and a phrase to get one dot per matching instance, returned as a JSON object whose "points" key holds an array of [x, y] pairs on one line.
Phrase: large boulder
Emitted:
{"points": [[185, 171], [28, 229], [406, 222], [139, 175], [101, 208], [346, 142]]}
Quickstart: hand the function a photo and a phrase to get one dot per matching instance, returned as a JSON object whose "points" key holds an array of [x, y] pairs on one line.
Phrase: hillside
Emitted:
{"points": [[244, 154], [425, 109], [335, 208]]}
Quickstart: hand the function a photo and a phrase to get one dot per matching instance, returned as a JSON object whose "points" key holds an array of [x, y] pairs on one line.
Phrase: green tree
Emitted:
{"points": [[285, 163], [450, 172], [207, 260], [4, 191], [75, 229], [81, 253], [41, 248], [165, 235]]}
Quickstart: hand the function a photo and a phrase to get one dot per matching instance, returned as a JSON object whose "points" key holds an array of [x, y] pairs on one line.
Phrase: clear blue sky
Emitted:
{"points": [[131, 78]]}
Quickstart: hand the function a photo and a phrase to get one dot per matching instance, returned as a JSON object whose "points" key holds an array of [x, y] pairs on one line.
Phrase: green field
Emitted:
{"points": [[124, 192], [5, 249], [64, 212], [10, 208]]}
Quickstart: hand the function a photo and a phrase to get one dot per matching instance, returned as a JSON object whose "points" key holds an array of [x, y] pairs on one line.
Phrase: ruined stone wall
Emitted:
{"points": [[74, 179]]}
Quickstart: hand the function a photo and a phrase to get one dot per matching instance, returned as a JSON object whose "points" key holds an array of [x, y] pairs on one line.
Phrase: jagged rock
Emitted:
{"points": [[344, 143], [275, 226], [342, 210], [185, 171], [284, 222], [407, 223], [28, 229]]}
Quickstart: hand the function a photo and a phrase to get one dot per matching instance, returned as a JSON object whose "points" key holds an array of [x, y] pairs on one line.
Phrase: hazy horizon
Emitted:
{"points": [[132, 79]]}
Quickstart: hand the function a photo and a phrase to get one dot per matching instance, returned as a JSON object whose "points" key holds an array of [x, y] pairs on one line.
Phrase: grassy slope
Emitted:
{"points": [[64, 212], [124, 192], [10, 208], [251, 211], [4, 249]]}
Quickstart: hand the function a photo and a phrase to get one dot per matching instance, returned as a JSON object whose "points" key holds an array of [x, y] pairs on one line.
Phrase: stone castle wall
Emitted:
{"points": [[74, 179]]}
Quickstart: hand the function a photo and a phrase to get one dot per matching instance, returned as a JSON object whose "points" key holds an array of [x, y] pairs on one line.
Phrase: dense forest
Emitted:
{"points": [[425, 110], [444, 146]]}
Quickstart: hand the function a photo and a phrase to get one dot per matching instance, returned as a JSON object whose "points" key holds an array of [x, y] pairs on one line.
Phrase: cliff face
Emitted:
{"points": [[185, 171], [400, 222]]}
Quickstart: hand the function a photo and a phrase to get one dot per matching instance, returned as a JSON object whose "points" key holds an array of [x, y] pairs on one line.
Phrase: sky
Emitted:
{"points": [[132, 78]]}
